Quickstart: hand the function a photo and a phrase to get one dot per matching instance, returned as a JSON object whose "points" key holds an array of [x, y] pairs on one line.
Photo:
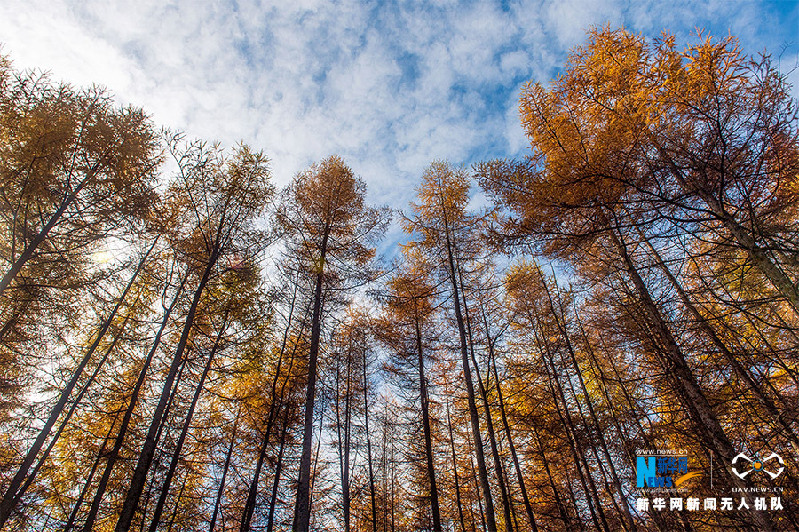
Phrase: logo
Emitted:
{"points": [[757, 465], [662, 471]]}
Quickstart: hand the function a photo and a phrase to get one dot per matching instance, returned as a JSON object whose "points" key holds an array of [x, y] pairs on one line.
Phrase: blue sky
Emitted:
{"points": [[388, 85]]}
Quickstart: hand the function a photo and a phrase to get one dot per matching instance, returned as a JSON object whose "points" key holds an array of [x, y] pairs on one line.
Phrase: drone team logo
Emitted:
{"points": [[773, 465]]}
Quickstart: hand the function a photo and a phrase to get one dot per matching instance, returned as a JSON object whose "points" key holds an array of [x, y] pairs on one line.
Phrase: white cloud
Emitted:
{"points": [[390, 87]]}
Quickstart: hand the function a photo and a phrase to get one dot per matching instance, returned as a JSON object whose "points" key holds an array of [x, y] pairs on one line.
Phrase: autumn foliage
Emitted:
{"points": [[196, 349]]}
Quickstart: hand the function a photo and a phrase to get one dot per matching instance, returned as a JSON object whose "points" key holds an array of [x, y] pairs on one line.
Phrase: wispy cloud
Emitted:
{"points": [[390, 86]]}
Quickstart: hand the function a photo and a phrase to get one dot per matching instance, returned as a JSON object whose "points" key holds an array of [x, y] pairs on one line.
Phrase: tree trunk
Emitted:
{"points": [[302, 512], [87, 484], [133, 495], [691, 395], [761, 260], [270, 520], [274, 409], [491, 522], [506, 426], [498, 468], [123, 429], [564, 515], [626, 513], [583, 470], [159, 507], [428, 439], [225, 468], [369, 444], [13, 491], [737, 367], [66, 418], [455, 473]]}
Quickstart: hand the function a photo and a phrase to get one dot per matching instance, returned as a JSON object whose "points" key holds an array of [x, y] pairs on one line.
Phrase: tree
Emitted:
{"points": [[406, 328], [72, 165], [328, 228], [218, 198], [642, 136], [75, 170], [447, 236]]}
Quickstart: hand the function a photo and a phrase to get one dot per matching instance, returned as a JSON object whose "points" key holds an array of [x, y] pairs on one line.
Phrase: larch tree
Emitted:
{"points": [[75, 171], [219, 197], [446, 235], [407, 327], [326, 225], [605, 162]]}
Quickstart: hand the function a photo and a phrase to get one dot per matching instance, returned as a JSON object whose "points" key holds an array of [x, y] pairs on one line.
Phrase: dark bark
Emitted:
{"points": [[492, 440], [562, 408], [691, 395], [159, 507], [559, 315], [564, 515], [506, 426], [13, 491], [428, 439], [274, 408], [228, 456], [113, 456], [491, 523], [302, 512], [134, 492], [87, 484], [270, 519], [344, 440], [68, 416], [369, 444], [762, 397], [455, 473]]}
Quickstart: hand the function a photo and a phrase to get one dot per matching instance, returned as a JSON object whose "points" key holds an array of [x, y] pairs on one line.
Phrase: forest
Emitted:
{"points": [[186, 346]]}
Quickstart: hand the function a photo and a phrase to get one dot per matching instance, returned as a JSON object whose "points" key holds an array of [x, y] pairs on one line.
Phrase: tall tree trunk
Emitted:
{"points": [[621, 434], [562, 407], [270, 519], [176, 507], [173, 394], [455, 473], [564, 515], [343, 440], [498, 468], [87, 484], [228, 456], [123, 429], [369, 443], [314, 472], [13, 491], [159, 507], [480, 510], [347, 439], [492, 362], [775, 413], [302, 512], [691, 395], [761, 260], [274, 409], [133, 495], [560, 320], [68, 416], [474, 418], [428, 439]]}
